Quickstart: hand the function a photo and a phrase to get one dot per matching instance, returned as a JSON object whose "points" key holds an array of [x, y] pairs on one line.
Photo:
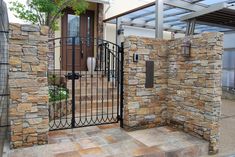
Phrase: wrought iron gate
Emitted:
{"points": [[84, 95]]}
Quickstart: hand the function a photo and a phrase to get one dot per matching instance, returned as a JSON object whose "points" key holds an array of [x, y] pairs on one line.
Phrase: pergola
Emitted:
{"points": [[180, 16]]}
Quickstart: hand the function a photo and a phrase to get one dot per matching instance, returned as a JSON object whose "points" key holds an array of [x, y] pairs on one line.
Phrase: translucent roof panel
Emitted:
{"points": [[209, 2], [145, 16]]}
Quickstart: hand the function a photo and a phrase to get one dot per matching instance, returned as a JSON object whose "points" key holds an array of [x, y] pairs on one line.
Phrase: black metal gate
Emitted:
{"points": [[81, 97]]}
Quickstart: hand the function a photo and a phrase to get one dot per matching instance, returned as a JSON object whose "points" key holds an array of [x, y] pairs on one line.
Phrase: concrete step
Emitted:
{"points": [[104, 87], [93, 85], [94, 110], [95, 102], [87, 103], [62, 73], [94, 98], [94, 91], [92, 82]]}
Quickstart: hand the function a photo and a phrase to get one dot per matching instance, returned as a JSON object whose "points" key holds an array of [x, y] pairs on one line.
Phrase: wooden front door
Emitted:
{"points": [[81, 27]]}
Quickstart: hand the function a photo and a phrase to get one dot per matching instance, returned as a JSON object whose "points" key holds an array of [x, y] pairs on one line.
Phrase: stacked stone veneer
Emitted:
{"points": [[100, 18], [28, 85], [194, 87], [144, 107], [187, 90]]}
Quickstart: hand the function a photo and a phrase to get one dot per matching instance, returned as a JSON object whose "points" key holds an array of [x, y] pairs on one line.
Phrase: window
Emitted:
{"points": [[73, 28], [88, 30], [228, 79]]}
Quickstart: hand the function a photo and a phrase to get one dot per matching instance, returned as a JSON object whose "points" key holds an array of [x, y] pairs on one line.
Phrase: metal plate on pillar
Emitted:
{"points": [[149, 80]]}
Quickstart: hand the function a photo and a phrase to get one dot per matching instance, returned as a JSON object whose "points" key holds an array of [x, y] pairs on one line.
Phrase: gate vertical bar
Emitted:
{"points": [[73, 83], [121, 87]]}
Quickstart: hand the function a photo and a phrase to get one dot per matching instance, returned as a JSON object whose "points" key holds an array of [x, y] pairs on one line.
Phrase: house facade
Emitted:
{"points": [[179, 92], [87, 25]]}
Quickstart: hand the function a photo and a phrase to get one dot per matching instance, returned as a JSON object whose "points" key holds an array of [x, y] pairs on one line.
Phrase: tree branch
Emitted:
{"points": [[56, 16]]}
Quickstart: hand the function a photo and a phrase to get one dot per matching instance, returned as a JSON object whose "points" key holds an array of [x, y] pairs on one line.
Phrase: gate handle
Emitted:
{"points": [[71, 76]]}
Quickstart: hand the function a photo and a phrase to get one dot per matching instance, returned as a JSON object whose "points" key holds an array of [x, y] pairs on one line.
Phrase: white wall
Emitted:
{"points": [[120, 6], [229, 40], [110, 32], [229, 60], [149, 33], [114, 8]]}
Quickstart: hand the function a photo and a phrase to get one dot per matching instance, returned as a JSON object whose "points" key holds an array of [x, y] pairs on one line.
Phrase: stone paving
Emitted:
{"points": [[227, 129], [112, 141]]}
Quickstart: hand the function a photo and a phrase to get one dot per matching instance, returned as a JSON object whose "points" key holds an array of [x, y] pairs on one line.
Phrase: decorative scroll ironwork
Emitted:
{"points": [[80, 97]]}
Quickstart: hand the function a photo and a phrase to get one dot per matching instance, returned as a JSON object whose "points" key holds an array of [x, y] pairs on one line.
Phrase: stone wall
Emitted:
{"points": [[100, 18], [144, 107], [194, 86], [28, 85], [187, 90]]}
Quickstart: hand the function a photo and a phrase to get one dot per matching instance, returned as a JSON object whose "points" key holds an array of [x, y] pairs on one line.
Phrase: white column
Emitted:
{"points": [[159, 19]]}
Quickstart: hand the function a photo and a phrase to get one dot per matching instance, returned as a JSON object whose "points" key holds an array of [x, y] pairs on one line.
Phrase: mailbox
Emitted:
{"points": [[149, 80]]}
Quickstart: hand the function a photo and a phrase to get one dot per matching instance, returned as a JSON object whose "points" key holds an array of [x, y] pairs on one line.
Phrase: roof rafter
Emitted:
{"points": [[166, 28], [174, 3], [185, 5], [150, 13], [170, 15], [172, 19]]}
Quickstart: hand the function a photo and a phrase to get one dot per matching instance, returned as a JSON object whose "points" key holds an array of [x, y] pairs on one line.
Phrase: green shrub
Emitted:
{"points": [[58, 93], [55, 80]]}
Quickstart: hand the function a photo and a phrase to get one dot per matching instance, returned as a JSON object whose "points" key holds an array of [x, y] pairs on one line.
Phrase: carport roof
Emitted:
{"points": [[175, 12]]}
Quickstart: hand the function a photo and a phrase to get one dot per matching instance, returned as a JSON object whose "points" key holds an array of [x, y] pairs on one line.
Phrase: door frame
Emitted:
{"points": [[83, 30]]}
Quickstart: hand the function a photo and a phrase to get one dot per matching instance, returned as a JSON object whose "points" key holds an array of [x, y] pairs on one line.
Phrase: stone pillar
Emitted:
{"points": [[144, 107], [187, 89], [194, 87], [28, 111], [100, 27]]}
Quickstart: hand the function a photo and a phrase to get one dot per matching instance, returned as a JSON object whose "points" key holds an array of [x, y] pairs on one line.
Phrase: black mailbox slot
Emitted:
{"points": [[149, 80]]}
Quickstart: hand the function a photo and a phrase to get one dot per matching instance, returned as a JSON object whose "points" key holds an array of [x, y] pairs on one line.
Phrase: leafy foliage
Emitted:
{"points": [[46, 12], [57, 88], [58, 93], [56, 81]]}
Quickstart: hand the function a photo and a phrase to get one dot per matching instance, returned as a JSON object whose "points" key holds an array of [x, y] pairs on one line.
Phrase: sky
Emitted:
{"points": [[12, 18]]}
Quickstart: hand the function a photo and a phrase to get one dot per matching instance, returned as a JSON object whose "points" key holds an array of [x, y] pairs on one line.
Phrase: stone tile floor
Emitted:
{"points": [[112, 141], [227, 129]]}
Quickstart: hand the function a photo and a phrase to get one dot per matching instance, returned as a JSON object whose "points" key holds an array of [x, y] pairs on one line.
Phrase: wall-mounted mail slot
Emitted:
{"points": [[149, 80]]}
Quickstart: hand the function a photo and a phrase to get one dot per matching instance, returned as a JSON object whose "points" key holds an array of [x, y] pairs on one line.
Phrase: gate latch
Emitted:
{"points": [[72, 76]]}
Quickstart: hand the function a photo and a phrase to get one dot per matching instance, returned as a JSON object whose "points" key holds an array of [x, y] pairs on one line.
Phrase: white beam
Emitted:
{"points": [[185, 5], [211, 9]]}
